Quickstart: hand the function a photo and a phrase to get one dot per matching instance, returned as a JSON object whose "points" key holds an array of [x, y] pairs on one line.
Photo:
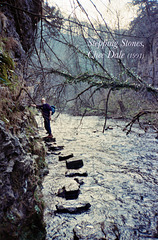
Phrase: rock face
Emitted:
{"points": [[21, 152], [22, 17], [18, 187]]}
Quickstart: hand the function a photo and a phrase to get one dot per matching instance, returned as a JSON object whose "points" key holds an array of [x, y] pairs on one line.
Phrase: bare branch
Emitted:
{"points": [[106, 108], [137, 118]]}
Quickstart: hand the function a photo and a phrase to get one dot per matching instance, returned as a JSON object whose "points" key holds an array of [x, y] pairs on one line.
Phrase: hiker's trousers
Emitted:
{"points": [[47, 125]]}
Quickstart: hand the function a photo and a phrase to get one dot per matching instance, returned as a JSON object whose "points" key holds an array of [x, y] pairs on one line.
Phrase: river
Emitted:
{"points": [[121, 186]]}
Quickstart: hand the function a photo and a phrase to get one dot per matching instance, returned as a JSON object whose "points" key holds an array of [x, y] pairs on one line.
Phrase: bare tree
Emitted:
{"points": [[91, 56]]}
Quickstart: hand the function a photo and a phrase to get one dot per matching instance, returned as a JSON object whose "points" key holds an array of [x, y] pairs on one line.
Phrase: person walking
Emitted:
{"points": [[46, 113]]}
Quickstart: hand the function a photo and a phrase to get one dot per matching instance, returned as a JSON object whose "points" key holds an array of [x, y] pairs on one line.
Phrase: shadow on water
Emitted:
{"points": [[121, 186]]}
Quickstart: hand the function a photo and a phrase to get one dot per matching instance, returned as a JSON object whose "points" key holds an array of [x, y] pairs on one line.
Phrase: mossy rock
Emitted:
{"points": [[38, 148]]}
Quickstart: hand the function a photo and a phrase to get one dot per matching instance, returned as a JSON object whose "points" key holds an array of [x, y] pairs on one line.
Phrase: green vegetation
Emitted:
{"points": [[6, 69], [9, 86]]}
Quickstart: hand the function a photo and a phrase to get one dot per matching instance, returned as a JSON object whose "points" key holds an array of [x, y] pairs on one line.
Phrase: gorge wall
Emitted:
{"points": [[21, 150], [148, 66]]}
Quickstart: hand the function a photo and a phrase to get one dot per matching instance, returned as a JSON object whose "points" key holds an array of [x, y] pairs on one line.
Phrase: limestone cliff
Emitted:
{"points": [[21, 151]]}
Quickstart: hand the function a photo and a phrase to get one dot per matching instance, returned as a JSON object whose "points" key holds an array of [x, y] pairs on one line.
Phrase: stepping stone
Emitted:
{"points": [[65, 156], [79, 181], [55, 153], [74, 163], [46, 139], [56, 148], [49, 144], [73, 208], [74, 173], [70, 190], [45, 172], [48, 153]]}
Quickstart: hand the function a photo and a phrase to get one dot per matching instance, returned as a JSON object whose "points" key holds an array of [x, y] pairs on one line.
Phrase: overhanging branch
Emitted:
{"points": [[105, 82]]}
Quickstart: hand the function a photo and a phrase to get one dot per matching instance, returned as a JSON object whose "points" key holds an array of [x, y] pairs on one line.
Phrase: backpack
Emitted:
{"points": [[53, 109]]}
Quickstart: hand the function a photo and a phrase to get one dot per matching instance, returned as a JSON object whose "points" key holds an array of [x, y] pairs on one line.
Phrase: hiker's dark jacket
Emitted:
{"points": [[46, 108]]}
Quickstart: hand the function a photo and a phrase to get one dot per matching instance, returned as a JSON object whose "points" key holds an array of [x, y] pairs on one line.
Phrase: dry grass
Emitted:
{"points": [[10, 111], [10, 43]]}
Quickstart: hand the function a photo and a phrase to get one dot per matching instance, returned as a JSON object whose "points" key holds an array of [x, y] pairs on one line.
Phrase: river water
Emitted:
{"points": [[122, 181]]}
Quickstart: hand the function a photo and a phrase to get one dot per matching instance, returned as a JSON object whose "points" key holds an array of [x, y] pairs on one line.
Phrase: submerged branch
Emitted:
{"points": [[136, 118], [106, 108]]}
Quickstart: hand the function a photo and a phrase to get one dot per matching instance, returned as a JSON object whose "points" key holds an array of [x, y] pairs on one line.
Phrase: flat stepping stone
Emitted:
{"points": [[65, 156], [46, 139], [70, 190], [76, 172], [73, 208], [74, 163], [49, 144], [56, 148]]}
